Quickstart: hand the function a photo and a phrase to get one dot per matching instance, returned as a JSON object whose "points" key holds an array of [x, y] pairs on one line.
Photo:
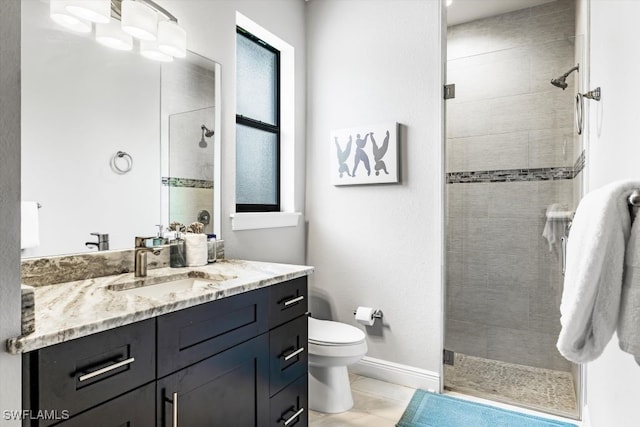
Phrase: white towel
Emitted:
{"points": [[593, 279], [196, 248], [629, 320], [29, 225]]}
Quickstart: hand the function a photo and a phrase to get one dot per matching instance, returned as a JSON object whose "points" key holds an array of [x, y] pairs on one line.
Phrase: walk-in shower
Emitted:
{"points": [[513, 163]]}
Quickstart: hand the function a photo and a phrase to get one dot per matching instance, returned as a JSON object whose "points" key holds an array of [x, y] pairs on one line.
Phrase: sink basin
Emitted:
{"points": [[174, 286], [157, 287]]}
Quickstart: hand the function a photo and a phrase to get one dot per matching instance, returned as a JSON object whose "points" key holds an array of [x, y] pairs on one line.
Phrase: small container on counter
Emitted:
{"points": [[177, 252], [211, 248]]}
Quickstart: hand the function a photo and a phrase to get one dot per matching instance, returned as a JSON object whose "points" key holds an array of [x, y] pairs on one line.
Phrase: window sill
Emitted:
{"points": [[258, 220]]}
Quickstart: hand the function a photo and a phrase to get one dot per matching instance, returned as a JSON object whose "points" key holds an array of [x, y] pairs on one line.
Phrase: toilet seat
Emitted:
{"points": [[329, 333]]}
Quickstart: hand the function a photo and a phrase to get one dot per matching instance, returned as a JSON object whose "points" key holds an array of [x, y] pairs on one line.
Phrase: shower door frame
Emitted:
{"points": [[581, 397]]}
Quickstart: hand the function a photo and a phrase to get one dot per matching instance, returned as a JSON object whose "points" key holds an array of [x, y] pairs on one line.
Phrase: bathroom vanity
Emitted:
{"points": [[227, 347]]}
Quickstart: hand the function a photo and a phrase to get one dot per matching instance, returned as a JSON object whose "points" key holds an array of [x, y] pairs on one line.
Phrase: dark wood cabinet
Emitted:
{"points": [[228, 389], [237, 361]]}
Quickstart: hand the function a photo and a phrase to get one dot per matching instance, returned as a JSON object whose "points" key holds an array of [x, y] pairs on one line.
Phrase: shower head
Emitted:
{"points": [[205, 132], [561, 81]]}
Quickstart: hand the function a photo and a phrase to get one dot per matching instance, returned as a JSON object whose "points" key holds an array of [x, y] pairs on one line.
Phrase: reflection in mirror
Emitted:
{"points": [[82, 103], [189, 140]]}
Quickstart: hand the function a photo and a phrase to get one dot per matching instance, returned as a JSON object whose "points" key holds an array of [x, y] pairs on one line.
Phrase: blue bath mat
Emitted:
{"points": [[436, 410]]}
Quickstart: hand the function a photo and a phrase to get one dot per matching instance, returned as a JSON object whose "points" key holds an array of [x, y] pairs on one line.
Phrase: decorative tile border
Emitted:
{"points": [[510, 175], [516, 175], [186, 182]]}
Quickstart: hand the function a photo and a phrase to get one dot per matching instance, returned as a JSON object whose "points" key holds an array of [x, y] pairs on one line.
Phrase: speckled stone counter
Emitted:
{"points": [[70, 310]]}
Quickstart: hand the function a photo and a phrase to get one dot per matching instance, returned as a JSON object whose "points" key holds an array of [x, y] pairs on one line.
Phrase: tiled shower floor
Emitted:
{"points": [[541, 389]]}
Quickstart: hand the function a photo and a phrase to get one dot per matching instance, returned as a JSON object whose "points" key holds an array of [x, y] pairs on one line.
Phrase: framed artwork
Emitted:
{"points": [[365, 155]]}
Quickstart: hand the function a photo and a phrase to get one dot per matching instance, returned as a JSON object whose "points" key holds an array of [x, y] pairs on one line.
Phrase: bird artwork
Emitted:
{"points": [[343, 155]]}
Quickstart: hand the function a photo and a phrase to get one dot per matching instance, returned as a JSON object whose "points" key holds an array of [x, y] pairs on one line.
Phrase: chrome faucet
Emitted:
{"points": [[140, 256], [102, 244]]}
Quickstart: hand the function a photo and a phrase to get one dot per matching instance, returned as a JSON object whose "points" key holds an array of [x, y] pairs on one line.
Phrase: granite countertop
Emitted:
{"points": [[70, 310]]}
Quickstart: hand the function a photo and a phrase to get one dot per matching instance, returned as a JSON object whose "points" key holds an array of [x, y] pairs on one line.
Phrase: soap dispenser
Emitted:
{"points": [[159, 239], [177, 251]]}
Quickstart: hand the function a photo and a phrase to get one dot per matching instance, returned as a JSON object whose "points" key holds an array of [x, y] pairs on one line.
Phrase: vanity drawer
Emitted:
{"points": [[287, 301], [290, 405], [288, 357], [194, 334], [79, 374]]}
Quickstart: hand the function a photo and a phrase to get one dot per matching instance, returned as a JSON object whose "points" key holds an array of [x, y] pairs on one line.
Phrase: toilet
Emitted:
{"points": [[332, 347]]}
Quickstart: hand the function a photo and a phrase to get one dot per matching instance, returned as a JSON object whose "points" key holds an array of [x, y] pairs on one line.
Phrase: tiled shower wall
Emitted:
{"points": [[508, 122]]}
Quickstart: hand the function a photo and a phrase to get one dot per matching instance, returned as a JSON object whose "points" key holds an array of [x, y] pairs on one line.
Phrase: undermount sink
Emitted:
{"points": [[155, 287]]}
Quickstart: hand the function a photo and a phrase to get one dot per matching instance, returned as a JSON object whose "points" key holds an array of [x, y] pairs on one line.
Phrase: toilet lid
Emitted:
{"points": [[333, 333]]}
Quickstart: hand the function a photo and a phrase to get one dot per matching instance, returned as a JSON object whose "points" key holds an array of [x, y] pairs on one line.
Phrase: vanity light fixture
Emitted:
{"points": [[98, 11], [161, 38], [172, 39], [111, 35], [140, 20], [150, 50], [59, 13]]}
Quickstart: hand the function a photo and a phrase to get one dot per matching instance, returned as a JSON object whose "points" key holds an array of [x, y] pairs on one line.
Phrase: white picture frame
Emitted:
{"points": [[365, 155]]}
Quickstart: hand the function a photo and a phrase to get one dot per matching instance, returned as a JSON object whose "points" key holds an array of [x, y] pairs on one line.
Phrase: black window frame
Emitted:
{"points": [[260, 125]]}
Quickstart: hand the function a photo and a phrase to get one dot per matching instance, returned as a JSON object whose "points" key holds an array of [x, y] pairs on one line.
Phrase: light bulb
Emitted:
{"points": [[150, 50], [139, 20], [111, 35], [172, 39], [98, 11], [59, 13]]}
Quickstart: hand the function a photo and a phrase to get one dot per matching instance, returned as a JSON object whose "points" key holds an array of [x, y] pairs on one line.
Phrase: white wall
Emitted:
{"points": [[211, 28], [612, 380], [372, 62], [10, 365]]}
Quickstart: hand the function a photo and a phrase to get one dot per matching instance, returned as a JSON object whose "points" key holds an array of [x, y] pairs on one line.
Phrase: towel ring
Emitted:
{"points": [[579, 113], [120, 170]]}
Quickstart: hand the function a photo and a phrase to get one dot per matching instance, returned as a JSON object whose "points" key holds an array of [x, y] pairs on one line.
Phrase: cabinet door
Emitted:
{"points": [[134, 409], [228, 389]]}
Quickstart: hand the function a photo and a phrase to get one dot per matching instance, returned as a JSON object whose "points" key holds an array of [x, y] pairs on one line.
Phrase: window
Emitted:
{"points": [[257, 125]]}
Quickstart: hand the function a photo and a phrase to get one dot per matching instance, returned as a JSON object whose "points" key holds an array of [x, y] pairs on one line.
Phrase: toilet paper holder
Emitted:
{"points": [[377, 314]]}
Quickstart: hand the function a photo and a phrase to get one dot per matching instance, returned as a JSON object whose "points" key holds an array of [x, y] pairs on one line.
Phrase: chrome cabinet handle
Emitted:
{"points": [[175, 409], [293, 417], [293, 301], [293, 354], [105, 369]]}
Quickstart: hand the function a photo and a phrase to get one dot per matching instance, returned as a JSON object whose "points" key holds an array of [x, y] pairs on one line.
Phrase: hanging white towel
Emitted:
{"points": [[629, 320], [29, 225], [593, 279]]}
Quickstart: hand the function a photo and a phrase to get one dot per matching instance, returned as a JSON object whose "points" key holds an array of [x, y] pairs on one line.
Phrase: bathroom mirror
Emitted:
{"points": [[82, 104]]}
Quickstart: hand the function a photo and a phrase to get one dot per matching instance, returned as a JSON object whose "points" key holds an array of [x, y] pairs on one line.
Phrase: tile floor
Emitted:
{"points": [[376, 404], [381, 404]]}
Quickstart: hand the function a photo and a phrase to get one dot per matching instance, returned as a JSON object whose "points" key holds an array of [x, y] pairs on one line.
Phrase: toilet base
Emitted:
{"points": [[329, 389]]}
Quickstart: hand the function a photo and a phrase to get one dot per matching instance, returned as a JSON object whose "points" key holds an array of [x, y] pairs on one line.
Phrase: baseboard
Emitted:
{"points": [[396, 373]]}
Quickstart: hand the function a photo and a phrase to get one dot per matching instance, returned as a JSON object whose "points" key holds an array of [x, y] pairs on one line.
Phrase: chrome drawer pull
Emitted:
{"points": [[294, 416], [175, 409], [294, 354], [105, 369], [293, 301]]}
